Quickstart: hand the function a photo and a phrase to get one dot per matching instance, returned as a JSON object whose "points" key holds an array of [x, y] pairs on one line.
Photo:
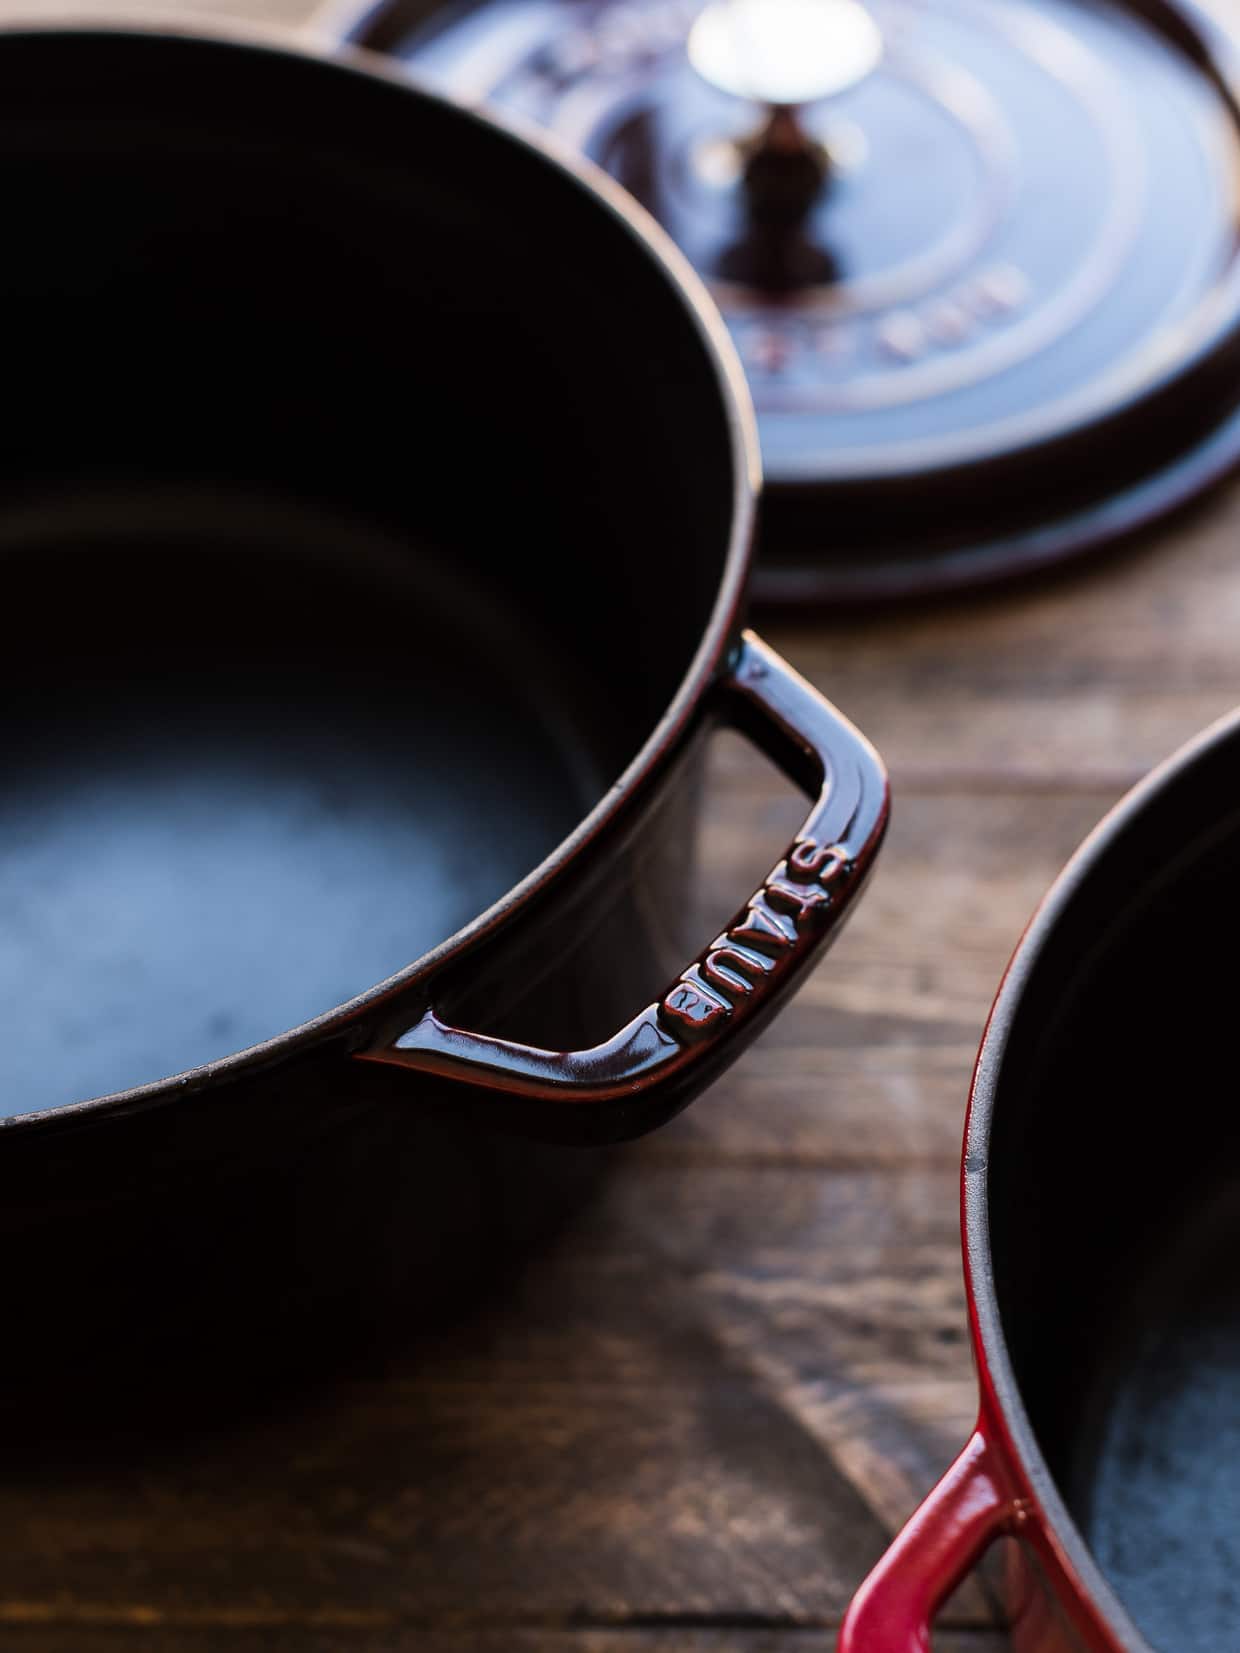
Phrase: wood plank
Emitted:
{"points": [[871, 1063], [1092, 676], [958, 880], [694, 1425], [272, 1637], [715, 1400]]}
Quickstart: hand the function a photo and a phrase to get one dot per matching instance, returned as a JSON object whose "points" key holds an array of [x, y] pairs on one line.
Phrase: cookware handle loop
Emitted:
{"points": [[668, 1053], [947, 1537]]}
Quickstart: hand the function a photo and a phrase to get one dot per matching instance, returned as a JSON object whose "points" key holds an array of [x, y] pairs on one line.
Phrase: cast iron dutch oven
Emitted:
{"points": [[375, 503], [1101, 1217]]}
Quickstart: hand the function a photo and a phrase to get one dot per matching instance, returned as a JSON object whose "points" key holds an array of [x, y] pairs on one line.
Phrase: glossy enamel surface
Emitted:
{"points": [[278, 412], [1128, 942], [953, 386], [279, 645], [663, 1056], [1100, 1289]]}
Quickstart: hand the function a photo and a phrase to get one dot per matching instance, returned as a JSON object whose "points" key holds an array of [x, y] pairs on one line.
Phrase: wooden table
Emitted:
{"points": [[695, 1426]]}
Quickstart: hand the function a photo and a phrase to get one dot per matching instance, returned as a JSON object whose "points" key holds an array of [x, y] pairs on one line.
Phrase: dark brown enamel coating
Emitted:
{"points": [[1012, 487], [527, 584], [663, 1056]]}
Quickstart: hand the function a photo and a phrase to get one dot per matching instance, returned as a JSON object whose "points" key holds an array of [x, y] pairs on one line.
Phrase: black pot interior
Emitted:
{"points": [[1114, 1206], [351, 538]]}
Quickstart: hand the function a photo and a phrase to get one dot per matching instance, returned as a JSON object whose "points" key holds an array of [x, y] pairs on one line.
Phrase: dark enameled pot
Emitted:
{"points": [[376, 495], [1101, 1218]]}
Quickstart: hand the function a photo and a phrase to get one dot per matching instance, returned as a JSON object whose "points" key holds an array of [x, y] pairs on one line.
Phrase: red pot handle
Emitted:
{"points": [[947, 1536], [671, 1051]]}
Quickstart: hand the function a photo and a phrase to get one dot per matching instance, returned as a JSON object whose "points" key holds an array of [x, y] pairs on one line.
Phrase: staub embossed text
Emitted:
{"points": [[739, 964]]}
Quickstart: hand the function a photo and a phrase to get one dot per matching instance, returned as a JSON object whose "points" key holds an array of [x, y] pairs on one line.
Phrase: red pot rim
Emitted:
{"points": [[1003, 1419]]}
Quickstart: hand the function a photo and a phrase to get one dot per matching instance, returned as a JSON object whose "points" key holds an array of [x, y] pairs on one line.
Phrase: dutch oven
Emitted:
{"points": [[1101, 1219], [376, 494]]}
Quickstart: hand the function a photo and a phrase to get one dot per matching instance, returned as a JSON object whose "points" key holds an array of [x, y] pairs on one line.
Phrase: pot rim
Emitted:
{"points": [[1005, 1419], [718, 635]]}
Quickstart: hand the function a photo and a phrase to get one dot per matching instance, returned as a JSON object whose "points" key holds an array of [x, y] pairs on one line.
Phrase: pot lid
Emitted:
{"points": [[979, 257]]}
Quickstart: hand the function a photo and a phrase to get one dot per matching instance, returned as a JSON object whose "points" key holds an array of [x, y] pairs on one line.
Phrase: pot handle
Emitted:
{"points": [[946, 1537], [671, 1051]]}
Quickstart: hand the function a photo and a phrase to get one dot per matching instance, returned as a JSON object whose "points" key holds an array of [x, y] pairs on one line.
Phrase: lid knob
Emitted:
{"points": [[785, 52]]}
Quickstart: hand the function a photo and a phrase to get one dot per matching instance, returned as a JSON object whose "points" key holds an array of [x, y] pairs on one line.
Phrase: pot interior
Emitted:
{"points": [[351, 541], [1114, 1207]]}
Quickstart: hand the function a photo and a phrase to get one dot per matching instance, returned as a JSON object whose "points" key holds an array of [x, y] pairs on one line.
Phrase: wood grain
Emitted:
{"points": [[381, 1636], [692, 1427]]}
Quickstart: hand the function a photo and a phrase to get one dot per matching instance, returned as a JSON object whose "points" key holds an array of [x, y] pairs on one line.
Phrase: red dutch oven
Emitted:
{"points": [[1101, 1221]]}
